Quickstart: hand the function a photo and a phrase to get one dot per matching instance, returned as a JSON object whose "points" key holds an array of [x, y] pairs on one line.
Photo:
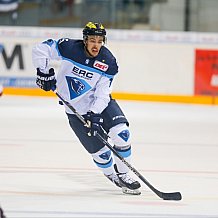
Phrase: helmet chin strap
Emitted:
{"points": [[86, 51]]}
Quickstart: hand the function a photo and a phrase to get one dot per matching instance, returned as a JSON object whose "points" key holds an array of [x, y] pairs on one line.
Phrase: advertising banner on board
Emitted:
{"points": [[206, 72]]}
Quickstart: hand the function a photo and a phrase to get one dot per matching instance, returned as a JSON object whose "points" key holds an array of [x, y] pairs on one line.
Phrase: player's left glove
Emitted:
{"points": [[95, 121], [46, 81]]}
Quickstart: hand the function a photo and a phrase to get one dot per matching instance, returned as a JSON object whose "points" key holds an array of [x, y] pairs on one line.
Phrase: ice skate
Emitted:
{"points": [[114, 178], [129, 185]]}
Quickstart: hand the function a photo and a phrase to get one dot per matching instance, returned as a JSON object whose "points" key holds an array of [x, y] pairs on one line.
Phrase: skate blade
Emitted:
{"points": [[128, 191]]}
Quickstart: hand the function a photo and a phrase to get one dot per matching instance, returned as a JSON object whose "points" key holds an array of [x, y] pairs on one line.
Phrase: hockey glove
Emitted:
{"points": [[95, 121], [46, 81]]}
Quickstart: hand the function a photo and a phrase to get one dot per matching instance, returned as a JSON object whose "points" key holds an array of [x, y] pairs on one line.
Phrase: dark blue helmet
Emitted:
{"points": [[96, 29]]}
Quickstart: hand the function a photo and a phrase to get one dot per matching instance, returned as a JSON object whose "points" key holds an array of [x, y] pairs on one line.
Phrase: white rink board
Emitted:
{"points": [[44, 171], [149, 62]]}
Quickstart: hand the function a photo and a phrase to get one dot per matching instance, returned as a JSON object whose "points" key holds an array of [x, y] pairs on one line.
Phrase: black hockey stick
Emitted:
{"points": [[176, 196]]}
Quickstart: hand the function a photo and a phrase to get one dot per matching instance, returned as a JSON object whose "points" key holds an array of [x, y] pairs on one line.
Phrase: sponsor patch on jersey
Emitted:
{"points": [[101, 66]]}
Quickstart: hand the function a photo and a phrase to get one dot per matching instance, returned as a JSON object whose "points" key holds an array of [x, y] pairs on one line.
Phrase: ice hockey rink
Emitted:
{"points": [[45, 172]]}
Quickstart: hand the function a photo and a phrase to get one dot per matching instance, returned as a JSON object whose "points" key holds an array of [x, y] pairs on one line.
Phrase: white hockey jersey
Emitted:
{"points": [[83, 81]]}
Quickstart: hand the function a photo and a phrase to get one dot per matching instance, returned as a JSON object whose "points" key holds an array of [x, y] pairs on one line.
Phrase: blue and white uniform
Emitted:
{"points": [[85, 82]]}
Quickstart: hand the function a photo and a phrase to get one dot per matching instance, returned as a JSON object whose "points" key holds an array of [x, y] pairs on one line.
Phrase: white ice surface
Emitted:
{"points": [[45, 172]]}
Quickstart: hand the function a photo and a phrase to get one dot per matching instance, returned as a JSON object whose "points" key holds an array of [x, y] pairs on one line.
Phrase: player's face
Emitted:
{"points": [[93, 44]]}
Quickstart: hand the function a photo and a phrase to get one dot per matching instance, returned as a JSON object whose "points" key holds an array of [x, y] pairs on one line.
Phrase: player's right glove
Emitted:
{"points": [[46, 81]]}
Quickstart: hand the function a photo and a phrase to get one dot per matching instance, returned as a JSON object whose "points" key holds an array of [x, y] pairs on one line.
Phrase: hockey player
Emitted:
{"points": [[84, 80]]}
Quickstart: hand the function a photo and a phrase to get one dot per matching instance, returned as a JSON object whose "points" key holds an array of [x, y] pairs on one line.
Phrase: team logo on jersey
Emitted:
{"points": [[101, 66], [77, 86]]}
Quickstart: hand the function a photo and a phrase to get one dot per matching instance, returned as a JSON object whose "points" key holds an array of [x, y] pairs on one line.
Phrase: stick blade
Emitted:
{"points": [[174, 196]]}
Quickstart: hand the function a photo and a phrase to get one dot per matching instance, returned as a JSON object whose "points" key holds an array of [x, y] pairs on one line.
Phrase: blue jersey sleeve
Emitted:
{"points": [[110, 60]]}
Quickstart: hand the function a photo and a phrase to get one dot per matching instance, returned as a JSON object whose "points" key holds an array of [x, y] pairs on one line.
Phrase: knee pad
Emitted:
{"points": [[120, 136], [103, 158]]}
